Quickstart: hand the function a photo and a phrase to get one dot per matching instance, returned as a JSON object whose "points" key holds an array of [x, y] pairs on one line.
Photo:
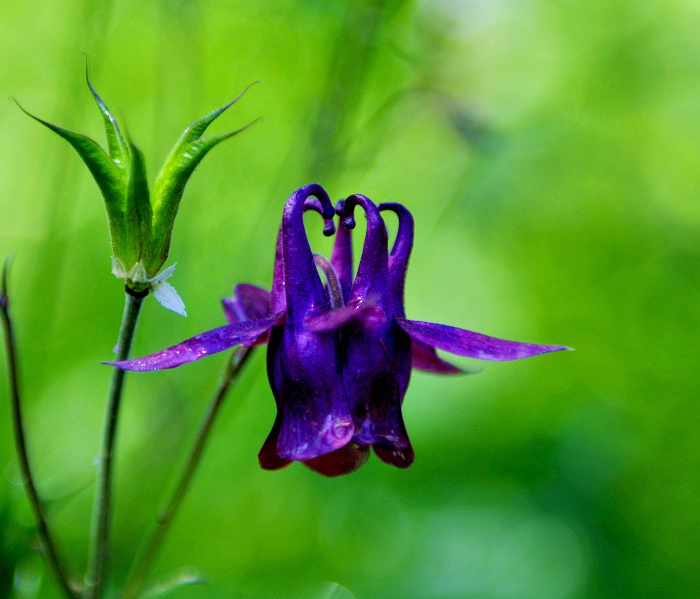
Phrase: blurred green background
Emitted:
{"points": [[549, 151]]}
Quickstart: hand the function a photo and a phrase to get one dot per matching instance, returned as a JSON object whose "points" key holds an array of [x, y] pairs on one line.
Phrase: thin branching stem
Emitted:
{"points": [[47, 544], [99, 537], [142, 566]]}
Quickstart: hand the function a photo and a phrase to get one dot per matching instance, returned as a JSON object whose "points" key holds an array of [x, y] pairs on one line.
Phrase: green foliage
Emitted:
{"points": [[111, 173]]}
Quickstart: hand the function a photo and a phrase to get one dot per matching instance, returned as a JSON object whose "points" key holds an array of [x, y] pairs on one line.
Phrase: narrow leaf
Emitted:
{"points": [[118, 149], [168, 190], [104, 172], [197, 129]]}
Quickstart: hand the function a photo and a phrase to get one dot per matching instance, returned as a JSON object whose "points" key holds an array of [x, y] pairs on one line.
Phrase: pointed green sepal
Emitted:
{"points": [[173, 176], [197, 129], [116, 145], [106, 175]]}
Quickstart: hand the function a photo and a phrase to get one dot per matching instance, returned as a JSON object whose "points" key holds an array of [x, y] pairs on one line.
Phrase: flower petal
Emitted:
{"points": [[470, 344], [400, 253], [302, 284], [163, 275], [368, 313], [249, 303], [304, 373], [372, 276], [232, 309], [401, 458], [268, 458], [341, 258], [345, 460], [378, 419], [118, 268], [310, 429], [425, 358], [198, 347]]}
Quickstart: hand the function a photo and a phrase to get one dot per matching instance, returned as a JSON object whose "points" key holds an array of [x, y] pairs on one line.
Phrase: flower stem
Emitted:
{"points": [[99, 536], [144, 563], [47, 544]]}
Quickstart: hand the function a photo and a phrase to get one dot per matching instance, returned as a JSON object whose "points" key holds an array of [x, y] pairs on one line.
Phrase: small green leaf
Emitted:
{"points": [[169, 187], [197, 129], [170, 183], [104, 172], [118, 149]]}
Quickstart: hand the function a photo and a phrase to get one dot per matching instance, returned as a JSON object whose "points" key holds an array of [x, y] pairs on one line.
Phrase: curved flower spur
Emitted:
{"points": [[339, 355]]}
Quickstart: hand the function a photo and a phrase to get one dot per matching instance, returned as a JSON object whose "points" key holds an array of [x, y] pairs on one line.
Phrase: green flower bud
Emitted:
{"points": [[140, 228]]}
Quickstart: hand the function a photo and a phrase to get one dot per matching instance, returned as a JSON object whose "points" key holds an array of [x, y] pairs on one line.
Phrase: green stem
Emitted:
{"points": [[142, 566], [47, 544], [99, 536]]}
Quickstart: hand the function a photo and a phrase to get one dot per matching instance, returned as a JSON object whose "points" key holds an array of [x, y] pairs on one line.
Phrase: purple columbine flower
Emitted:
{"points": [[376, 351], [339, 355]]}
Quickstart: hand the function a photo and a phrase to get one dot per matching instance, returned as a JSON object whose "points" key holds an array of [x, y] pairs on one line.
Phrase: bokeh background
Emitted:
{"points": [[550, 153]]}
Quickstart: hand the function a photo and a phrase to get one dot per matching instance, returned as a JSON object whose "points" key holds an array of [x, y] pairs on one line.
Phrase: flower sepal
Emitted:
{"points": [[137, 281]]}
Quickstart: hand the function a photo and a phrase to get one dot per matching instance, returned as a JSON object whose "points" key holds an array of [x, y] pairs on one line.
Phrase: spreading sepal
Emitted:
{"points": [[170, 182]]}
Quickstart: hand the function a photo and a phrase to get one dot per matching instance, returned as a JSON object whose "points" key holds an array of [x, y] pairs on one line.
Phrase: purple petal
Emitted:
{"points": [[304, 373], [302, 283], [231, 310], [345, 460], [309, 430], [368, 313], [425, 358], [378, 419], [341, 258], [278, 301], [401, 458], [249, 303], [400, 253], [470, 344], [198, 347], [268, 458], [376, 373]]}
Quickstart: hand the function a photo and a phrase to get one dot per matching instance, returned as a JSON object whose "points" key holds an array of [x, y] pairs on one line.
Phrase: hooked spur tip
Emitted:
{"points": [[328, 211], [328, 228], [347, 219]]}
